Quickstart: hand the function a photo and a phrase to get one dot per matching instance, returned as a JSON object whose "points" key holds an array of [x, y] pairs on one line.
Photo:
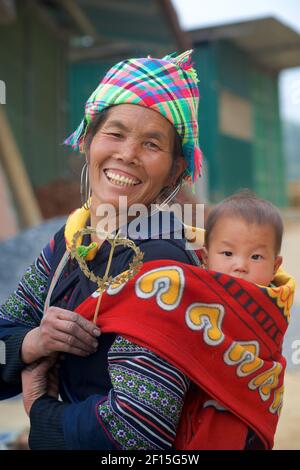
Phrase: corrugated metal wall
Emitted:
{"points": [[33, 66], [234, 163]]}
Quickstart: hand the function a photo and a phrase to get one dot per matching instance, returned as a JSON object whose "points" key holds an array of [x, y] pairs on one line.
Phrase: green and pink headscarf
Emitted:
{"points": [[167, 85]]}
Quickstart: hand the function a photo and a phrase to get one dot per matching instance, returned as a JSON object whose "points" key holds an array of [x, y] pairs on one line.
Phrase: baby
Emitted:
{"points": [[243, 238]]}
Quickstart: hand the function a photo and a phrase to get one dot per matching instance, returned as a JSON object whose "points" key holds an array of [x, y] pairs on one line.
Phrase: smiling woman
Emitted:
{"points": [[177, 353]]}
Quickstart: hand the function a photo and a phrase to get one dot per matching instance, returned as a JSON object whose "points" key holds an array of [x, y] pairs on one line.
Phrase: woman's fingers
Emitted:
{"points": [[74, 330], [66, 331], [81, 322], [68, 342], [63, 347]]}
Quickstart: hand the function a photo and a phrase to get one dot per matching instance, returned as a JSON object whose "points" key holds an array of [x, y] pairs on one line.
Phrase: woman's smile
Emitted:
{"points": [[121, 178]]}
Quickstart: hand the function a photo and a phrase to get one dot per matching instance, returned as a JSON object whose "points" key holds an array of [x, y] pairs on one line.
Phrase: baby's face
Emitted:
{"points": [[243, 250]]}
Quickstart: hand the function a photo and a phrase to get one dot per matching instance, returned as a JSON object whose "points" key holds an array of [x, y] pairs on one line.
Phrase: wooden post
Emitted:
{"points": [[27, 205]]}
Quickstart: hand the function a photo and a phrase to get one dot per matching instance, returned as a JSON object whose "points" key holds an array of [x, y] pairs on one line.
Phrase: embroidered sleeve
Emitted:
{"points": [[141, 411], [143, 408], [25, 305]]}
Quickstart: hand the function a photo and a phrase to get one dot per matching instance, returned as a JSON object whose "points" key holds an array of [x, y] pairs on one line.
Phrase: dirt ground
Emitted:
{"points": [[12, 417], [288, 431]]}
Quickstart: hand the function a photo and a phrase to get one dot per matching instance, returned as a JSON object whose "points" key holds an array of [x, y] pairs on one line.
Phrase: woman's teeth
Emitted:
{"points": [[121, 180]]}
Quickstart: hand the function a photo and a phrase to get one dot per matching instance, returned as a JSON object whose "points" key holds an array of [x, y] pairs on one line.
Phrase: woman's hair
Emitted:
{"points": [[100, 119], [93, 128], [247, 206]]}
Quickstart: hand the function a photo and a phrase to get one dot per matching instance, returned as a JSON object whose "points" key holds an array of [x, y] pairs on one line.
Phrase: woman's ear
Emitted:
{"points": [[179, 169], [85, 151], [81, 147], [87, 155]]}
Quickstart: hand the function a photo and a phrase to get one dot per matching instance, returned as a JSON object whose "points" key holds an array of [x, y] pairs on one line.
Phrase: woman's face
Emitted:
{"points": [[131, 155]]}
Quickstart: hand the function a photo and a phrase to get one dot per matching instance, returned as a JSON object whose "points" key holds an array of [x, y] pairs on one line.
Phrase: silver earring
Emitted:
{"points": [[85, 190], [167, 200]]}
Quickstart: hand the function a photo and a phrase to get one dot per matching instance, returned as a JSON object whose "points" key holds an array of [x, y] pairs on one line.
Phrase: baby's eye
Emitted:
{"points": [[227, 253], [256, 257]]}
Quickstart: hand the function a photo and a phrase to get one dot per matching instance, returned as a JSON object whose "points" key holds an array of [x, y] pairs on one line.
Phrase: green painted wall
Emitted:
{"points": [[205, 63], [33, 66], [270, 172], [83, 78]]}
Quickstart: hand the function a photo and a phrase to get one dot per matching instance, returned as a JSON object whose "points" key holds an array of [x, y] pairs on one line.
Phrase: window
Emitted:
{"points": [[235, 116]]}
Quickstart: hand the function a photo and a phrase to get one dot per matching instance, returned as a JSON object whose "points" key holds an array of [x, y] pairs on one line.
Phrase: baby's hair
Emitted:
{"points": [[247, 206]]}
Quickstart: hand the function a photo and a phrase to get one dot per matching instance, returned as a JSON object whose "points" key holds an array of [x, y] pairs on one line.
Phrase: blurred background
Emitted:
{"points": [[53, 54]]}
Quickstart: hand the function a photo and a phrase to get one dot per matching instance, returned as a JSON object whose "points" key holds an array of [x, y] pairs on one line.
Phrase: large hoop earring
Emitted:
{"points": [[85, 189], [167, 200]]}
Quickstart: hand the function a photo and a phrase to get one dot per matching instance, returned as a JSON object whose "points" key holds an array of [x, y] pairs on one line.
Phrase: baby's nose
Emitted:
{"points": [[241, 266]]}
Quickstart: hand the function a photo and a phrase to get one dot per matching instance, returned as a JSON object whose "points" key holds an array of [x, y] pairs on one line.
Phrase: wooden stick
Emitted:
{"points": [[16, 173]]}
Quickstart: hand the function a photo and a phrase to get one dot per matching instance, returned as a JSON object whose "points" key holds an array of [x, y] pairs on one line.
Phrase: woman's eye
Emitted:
{"points": [[256, 257], [151, 145], [227, 253], [115, 134]]}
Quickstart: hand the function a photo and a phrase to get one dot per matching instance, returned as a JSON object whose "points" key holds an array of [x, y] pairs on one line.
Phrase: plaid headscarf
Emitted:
{"points": [[167, 85]]}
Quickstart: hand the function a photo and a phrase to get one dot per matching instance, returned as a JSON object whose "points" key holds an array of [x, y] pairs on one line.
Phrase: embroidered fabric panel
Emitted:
{"points": [[25, 305], [143, 408]]}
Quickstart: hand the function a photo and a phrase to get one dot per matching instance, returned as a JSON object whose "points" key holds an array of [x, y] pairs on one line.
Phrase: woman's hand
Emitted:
{"points": [[60, 331], [37, 379]]}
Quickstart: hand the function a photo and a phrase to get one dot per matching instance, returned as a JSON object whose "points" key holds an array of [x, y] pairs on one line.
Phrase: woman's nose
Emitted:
{"points": [[128, 152]]}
